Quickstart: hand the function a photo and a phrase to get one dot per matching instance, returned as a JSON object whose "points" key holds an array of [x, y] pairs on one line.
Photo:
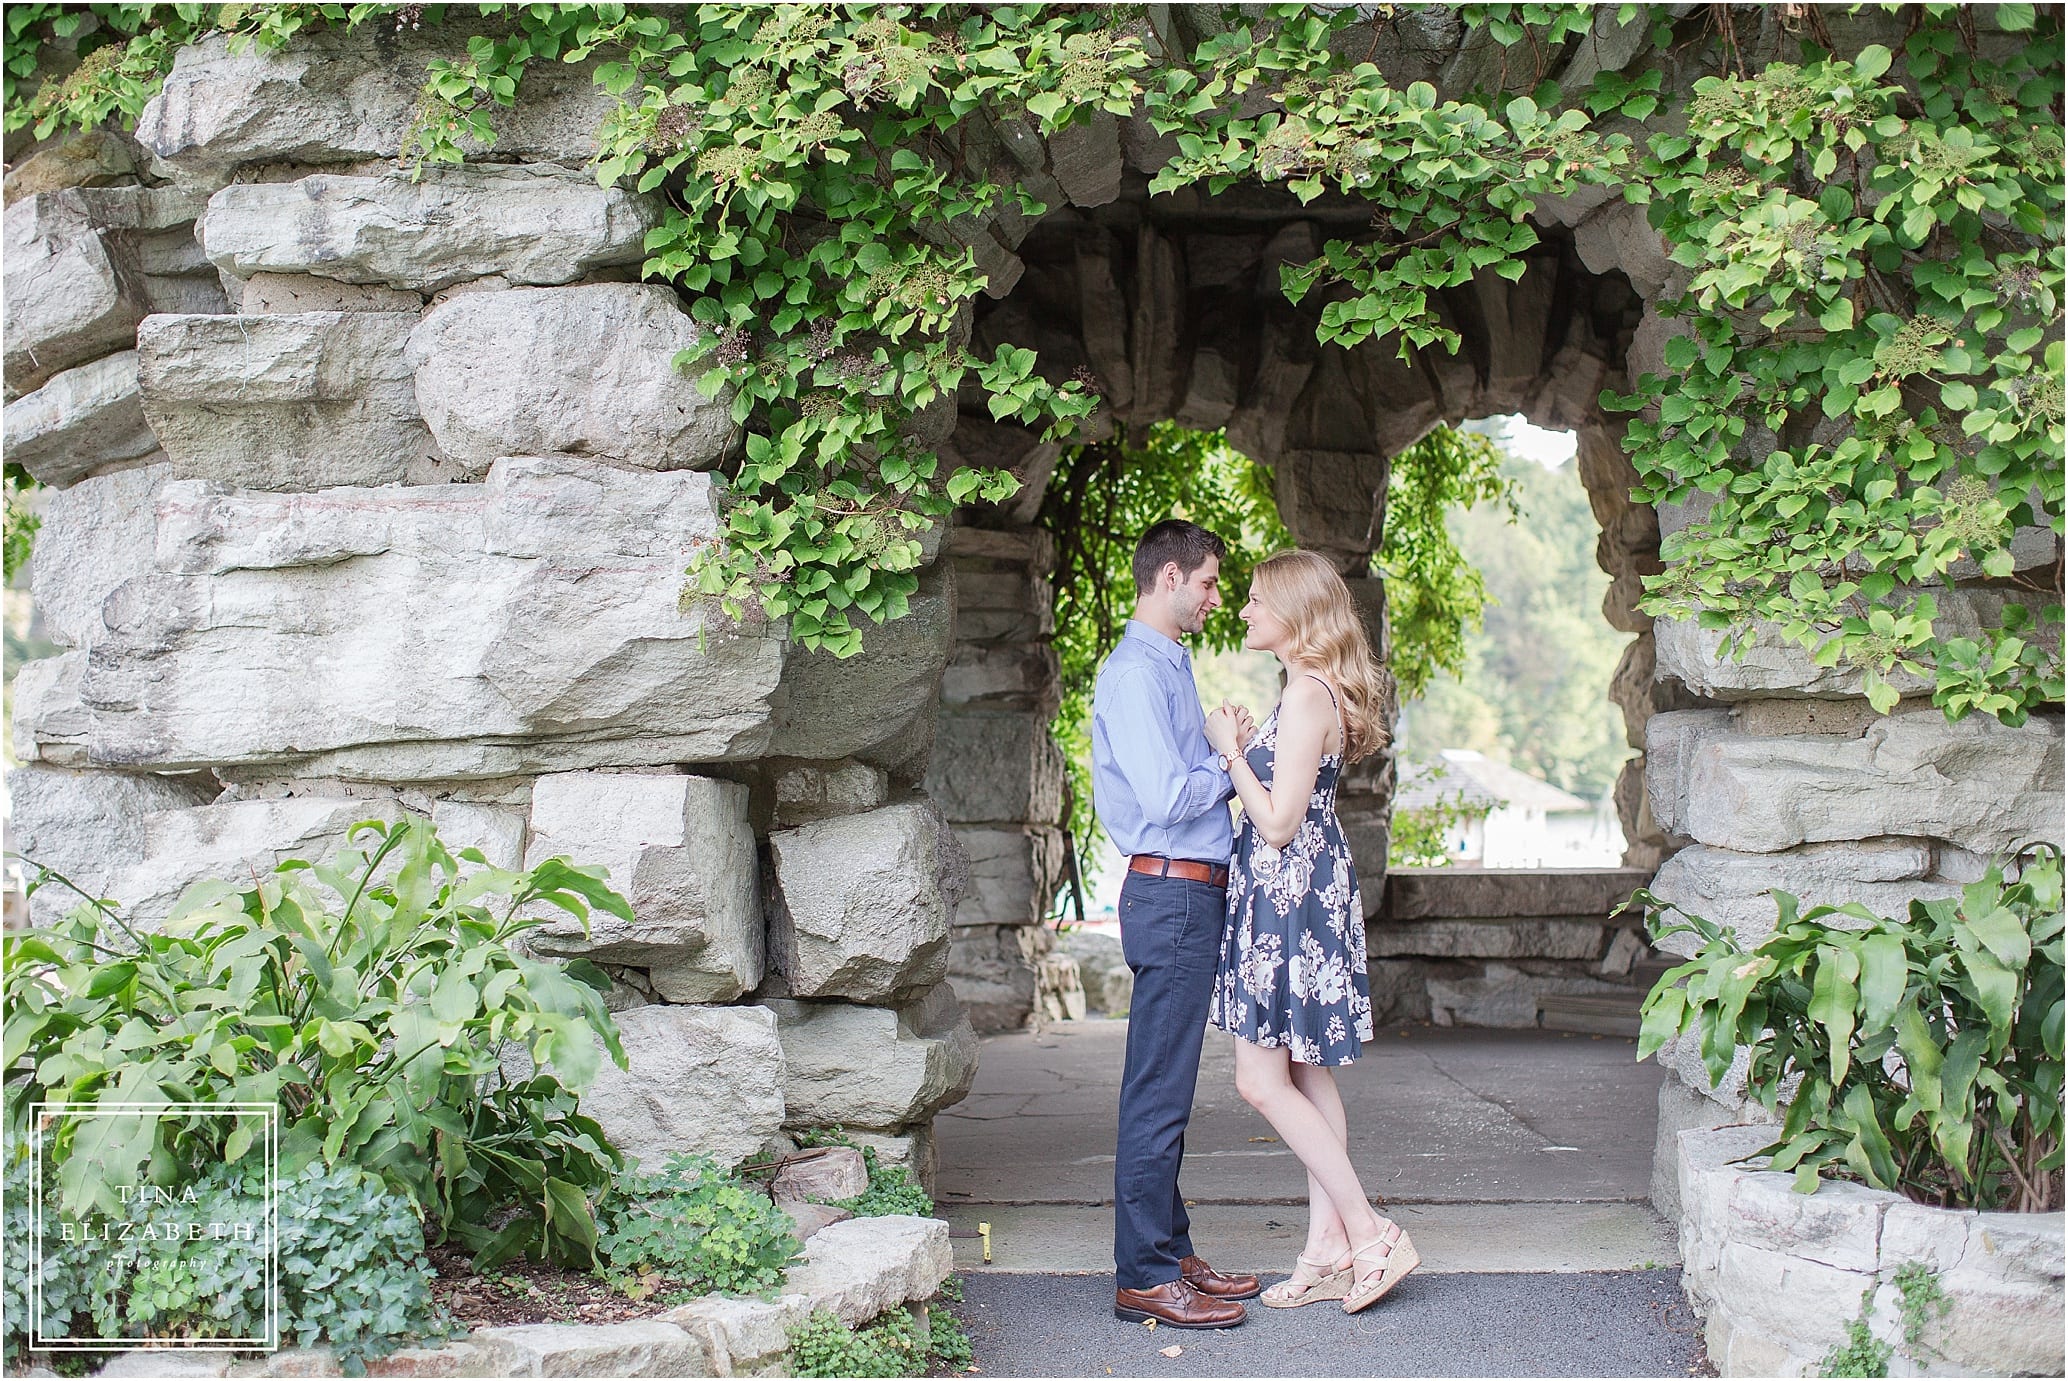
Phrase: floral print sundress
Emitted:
{"points": [[1292, 965]]}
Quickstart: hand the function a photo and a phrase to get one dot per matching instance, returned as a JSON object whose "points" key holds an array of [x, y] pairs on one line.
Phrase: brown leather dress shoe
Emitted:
{"points": [[1177, 1305], [1208, 1281]]}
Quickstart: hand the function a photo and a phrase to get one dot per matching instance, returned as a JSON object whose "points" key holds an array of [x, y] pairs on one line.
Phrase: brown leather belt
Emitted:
{"points": [[1155, 865]]}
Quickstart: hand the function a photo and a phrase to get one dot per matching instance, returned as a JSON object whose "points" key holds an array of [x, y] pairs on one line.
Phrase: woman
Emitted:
{"points": [[1291, 983]]}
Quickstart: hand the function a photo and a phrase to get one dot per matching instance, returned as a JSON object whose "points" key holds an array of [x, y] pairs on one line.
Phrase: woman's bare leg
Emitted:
{"points": [[1263, 1076], [1327, 1238]]}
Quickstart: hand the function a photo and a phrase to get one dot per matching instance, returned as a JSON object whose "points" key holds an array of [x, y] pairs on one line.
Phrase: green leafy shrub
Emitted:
{"points": [[368, 997], [892, 1189], [1928, 1050], [352, 1271], [949, 1346], [893, 1344], [696, 1226]]}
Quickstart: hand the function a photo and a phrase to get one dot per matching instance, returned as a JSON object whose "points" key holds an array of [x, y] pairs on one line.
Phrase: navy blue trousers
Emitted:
{"points": [[1170, 933]]}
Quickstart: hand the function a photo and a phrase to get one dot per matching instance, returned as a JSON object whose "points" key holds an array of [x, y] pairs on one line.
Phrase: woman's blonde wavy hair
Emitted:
{"points": [[1304, 592]]}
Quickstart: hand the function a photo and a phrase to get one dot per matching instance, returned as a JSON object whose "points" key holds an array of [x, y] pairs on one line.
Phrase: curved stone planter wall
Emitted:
{"points": [[1777, 1275], [856, 1269]]}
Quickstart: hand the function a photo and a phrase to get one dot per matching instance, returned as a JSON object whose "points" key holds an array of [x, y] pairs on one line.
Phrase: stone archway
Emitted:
{"points": [[1172, 304]]}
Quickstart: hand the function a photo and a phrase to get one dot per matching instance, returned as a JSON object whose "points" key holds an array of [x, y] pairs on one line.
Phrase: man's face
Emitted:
{"points": [[1196, 595]]}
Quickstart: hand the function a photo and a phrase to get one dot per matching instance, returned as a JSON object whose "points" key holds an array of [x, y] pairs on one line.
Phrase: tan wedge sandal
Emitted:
{"points": [[1310, 1283], [1399, 1257]]}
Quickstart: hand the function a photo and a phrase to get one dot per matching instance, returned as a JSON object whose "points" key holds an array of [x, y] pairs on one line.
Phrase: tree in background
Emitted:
{"points": [[1530, 688], [1104, 494]]}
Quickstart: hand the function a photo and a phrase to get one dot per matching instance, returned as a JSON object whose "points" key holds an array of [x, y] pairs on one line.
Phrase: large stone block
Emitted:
{"points": [[84, 420], [2003, 1274], [95, 536], [870, 705], [680, 850], [531, 224], [1013, 874], [1803, 1305], [229, 840], [646, 1347], [1085, 160], [1735, 889], [703, 1080], [333, 97], [1507, 995], [1980, 784], [89, 826], [78, 158], [1003, 676], [277, 294], [1419, 893], [307, 401], [993, 969], [862, 903], [996, 767], [529, 624], [1670, 743], [1102, 970], [1508, 938], [875, 1068], [585, 370], [805, 792], [1772, 665], [73, 294], [1839, 1225], [863, 1266]]}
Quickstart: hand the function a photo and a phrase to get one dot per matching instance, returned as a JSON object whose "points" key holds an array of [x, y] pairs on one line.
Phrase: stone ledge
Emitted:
{"points": [[1490, 893], [1777, 1275], [857, 1269]]}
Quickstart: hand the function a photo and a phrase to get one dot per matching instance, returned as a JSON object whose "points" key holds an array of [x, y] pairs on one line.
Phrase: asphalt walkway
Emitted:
{"points": [[1519, 1160]]}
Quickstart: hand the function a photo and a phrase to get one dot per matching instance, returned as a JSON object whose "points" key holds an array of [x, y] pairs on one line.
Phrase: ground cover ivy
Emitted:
{"points": [[1869, 391]]}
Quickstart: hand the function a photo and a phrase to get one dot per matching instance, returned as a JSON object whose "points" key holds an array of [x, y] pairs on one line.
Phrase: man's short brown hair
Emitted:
{"points": [[1174, 539]]}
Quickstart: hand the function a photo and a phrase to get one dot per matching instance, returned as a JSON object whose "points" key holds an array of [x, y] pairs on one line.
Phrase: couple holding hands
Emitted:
{"points": [[1258, 932]]}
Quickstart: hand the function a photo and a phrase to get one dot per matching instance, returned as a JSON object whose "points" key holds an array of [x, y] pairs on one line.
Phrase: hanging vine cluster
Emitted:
{"points": [[1868, 390]]}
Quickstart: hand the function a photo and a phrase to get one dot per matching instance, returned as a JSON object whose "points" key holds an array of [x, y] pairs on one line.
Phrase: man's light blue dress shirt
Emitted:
{"points": [[1156, 781]]}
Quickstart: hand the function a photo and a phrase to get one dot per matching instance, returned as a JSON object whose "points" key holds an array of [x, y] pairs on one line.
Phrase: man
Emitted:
{"points": [[1162, 795]]}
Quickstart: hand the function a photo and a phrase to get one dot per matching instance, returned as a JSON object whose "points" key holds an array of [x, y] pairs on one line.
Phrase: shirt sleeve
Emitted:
{"points": [[1169, 789]]}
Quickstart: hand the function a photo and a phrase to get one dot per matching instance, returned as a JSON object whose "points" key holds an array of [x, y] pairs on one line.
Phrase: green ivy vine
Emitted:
{"points": [[1869, 392]]}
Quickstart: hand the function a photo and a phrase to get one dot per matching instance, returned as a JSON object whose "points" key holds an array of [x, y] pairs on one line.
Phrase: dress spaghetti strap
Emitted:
{"points": [[1342, 731]]}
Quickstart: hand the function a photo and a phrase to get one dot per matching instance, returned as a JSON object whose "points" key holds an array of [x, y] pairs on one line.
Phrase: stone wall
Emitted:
{"points": [[1501, 948], [996, 773], [374, 496], [1777, 1275], [1788, 780]]}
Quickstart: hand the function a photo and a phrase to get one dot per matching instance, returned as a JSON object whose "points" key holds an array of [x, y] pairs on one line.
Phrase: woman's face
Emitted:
{"points": [[1266, 630]]}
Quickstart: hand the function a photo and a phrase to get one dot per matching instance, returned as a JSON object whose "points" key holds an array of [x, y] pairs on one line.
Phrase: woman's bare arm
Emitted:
{"points": [[1306, 719]]}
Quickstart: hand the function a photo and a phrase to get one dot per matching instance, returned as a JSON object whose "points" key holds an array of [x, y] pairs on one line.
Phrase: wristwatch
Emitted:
{"points": [[1227, 764]]}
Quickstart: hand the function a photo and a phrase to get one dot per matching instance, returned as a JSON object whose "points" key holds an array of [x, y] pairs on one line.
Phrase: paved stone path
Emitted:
{"points": [[1622, 1323], [1520, 1160]]}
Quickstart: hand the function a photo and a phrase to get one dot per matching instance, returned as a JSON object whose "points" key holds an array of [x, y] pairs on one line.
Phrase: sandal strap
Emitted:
{"points": [[1388, 1238]]}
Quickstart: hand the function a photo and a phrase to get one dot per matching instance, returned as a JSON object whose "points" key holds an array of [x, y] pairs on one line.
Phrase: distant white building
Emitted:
{"points": [[1530, 823]]}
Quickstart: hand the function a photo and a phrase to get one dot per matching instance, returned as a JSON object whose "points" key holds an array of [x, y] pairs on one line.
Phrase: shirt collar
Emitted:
{"points": [[1171, 651]]}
